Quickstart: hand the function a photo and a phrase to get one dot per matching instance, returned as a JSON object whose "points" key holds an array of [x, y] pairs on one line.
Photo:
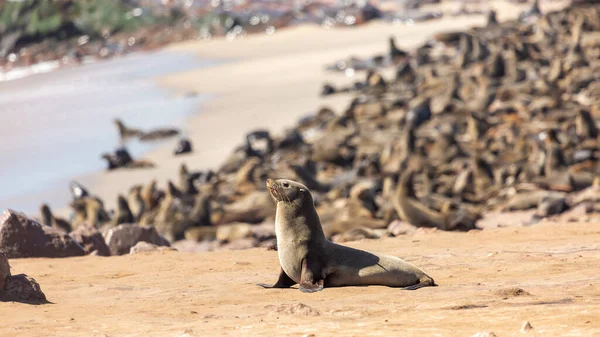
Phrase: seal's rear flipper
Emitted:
{"points": [[424, 282], [283, 281]]}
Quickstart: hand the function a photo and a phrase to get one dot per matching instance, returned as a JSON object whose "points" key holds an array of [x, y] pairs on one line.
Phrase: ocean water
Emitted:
{"points": [[56, 125]]}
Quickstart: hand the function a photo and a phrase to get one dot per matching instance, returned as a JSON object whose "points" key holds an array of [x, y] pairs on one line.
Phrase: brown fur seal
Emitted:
{"points": [[136, 203], [90, 211], [50, 220], [309, 259], [412, 210], [126, 132], [123, 214]]}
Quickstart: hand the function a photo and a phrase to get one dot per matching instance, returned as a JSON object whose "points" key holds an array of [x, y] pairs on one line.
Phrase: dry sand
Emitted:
{"points": [[270, 82], [209, 294]]}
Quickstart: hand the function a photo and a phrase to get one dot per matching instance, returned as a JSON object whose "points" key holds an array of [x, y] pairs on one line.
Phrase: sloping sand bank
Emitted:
{"points": [[492, 280]]}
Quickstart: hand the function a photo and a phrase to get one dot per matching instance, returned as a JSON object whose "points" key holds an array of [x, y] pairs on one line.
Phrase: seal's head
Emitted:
{"points": [[46, 214], [289, 191], [122, 203]]}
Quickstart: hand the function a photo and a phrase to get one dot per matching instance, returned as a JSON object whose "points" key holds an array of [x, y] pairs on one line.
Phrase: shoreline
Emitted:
{"points": [[46, 121]]}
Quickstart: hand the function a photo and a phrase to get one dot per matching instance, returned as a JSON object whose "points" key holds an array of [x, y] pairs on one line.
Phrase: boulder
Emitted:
{"points": [[21, 236], [4, 270], [22, 288], [91, 240], [120, 239]]}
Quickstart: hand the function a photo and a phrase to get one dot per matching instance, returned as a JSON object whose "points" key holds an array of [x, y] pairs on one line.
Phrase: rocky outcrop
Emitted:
{"points": [[18, 288], [122, 238], [91, 240], [21, 236], [22, 288], [4, 270]]}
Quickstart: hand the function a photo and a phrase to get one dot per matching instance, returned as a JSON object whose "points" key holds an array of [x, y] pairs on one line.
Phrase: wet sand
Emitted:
{"points": [[214, 294]]}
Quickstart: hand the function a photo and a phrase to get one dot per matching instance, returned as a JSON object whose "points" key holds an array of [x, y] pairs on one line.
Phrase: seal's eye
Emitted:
{"points": [[286, 185], [301, 190]]}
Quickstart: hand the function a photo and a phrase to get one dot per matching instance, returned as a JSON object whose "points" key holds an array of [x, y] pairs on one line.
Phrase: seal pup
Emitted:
{"points": [[126, 132], [78, 191], [186, 179], [412, 210], [396, 55], [312, 261], [492, 19], [532, 14], [158, 134], [136, 203], [123, 214], [122, 159]]}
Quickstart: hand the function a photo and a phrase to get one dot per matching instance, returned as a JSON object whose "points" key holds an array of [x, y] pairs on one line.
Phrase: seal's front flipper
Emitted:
{"points": [[283, 281], [307, 287], [310, 279]]}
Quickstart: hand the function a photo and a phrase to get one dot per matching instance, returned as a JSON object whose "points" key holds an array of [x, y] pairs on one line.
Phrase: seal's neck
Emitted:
{"points": [[304, 221], [47, 218]]}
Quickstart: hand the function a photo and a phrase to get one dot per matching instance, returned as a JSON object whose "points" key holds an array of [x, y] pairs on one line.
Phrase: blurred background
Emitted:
{"points": [[44, 118]]}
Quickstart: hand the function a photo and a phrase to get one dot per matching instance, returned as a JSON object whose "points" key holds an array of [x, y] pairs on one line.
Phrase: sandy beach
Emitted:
{"points": [[270, 82], [489, 281]]}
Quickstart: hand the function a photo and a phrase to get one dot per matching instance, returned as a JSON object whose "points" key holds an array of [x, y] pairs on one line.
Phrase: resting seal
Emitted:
{"points": [[309, 259]]}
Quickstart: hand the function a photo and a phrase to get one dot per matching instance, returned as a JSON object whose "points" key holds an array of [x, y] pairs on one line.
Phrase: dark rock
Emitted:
{"points": [[120, 158], [370, 12], [4, 270], [22, 288], [327, 90], [91, 240], [21, 236], [184, 146], [120, 239]]}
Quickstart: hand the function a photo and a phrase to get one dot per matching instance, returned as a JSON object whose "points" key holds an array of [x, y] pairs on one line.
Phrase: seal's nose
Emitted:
{"points": [[269, 182]]}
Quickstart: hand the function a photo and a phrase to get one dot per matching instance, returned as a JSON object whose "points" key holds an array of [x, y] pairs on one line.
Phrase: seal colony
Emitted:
{"points": [[312, 261], [497, 118]]}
